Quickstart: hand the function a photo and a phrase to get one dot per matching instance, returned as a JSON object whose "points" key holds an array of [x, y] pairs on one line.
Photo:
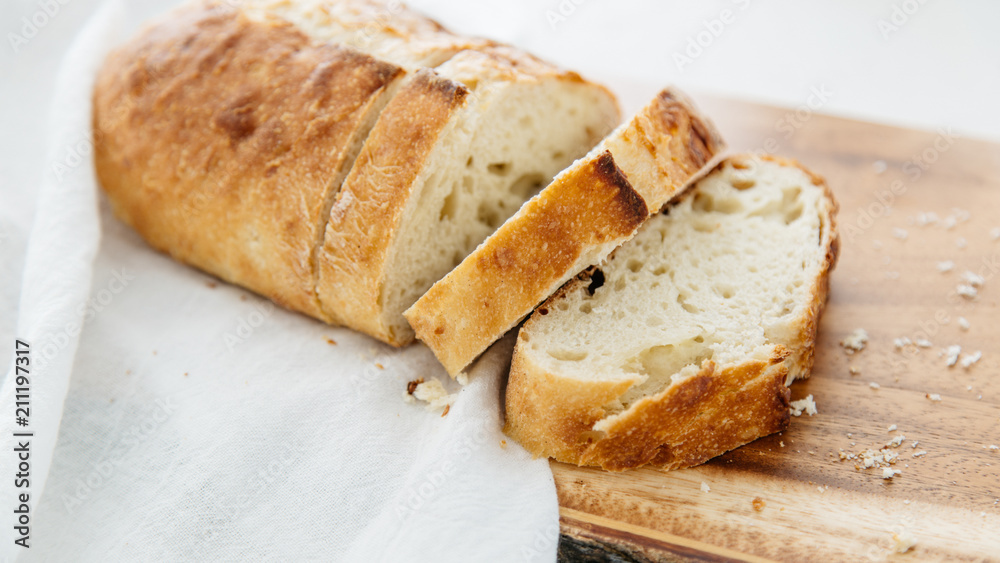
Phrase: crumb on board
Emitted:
{"points": [[704, 487], [994, 447], [901, 234], [945, 266], [921, 453], [966, 291], [807, 405], [879, 166], [781, 443], [889, 473], [901, 343], [963, 323], [973, 279], [903, 541], [854, 370], [923, 343], [961, 242], [855, 342], [891, 428], [951, 354], [969, 359], [995, 233], [933, 396], [874, 385], [758, 504]]}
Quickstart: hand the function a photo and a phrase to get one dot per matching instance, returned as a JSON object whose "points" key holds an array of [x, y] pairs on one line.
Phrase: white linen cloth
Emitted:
{"points": [[180, 419]]}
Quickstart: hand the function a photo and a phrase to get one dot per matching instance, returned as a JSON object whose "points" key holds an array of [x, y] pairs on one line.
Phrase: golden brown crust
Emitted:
{"points": [[688, 423], [521, 263], [591, 208], [365, 218], [703, 416], [221, 141]]}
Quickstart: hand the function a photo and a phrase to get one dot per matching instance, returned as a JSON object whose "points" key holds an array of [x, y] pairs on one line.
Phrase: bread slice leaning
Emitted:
{"points": [[679, 347], [587, 211], [223, 140]]}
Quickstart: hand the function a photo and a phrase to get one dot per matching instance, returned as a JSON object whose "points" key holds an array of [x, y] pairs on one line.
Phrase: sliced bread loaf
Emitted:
{"points": [[223, 140], [456, 152], [587, 211], [679, 347]]}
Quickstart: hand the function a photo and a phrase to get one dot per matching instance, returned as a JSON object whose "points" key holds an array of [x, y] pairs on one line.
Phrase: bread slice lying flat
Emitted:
{"points": [[587, 211], [223, 141], [679, 347]]}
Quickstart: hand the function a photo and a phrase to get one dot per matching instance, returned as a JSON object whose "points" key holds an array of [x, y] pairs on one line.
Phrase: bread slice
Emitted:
{"points": [[456, 152], [679, 347], [587, 211], [223, 140]]}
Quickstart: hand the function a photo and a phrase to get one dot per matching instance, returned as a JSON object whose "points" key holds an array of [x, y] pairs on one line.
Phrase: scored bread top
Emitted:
{"points": [[586, 212], [222, 140], [680, 346]]}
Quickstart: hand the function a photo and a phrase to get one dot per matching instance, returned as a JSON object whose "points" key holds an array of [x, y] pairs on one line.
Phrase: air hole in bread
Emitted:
{"points": [[596, 281], [527, 185], [468, 163], [682, 301], [620, 284], [568, 355], [659, 270], [743, 183], [498, 168], [487, 214], [448, 207], [558, 155], [725, 291], [740, 164], [634, 265], [586, 308]]}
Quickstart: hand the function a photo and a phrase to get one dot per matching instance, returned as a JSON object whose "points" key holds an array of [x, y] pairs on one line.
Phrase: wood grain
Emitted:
{"points": [[812, 505]]}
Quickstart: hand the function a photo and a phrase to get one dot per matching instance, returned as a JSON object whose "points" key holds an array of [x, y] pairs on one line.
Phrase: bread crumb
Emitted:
{"points": [[889, 473], [901, 234], [879, 166], [966, 291], [874, 385], [952, 354], [914, 444], [891, 428], [896, 441], [906, 502], [331, 341], [945, 266], [920, 453], [379, 366], [969, 359], [462, 378], [933, 396], [903, 541], [854, 370], [806, 405], [758, 504], [431, 392], [855, 342], [901, 343], [994, 447], [973, 279], [877, 244], [781, 443], [961, 242], [963, 323], [924, 343], [445, 412], [704, 487], [503, 444], [995, 233]]}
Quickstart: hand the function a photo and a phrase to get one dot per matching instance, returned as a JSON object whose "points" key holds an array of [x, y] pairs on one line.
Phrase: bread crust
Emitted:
{"points": [[588, 210], [714, 411], [367, 213], [221, 140]]}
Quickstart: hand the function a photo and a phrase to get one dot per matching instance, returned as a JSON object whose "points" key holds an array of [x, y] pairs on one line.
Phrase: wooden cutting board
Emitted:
{"points": [[789, 497]]}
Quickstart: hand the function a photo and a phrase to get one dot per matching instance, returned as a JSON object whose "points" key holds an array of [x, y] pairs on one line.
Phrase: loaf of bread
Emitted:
{"points": [[587, 211], [681, 346], [309, 152]]}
